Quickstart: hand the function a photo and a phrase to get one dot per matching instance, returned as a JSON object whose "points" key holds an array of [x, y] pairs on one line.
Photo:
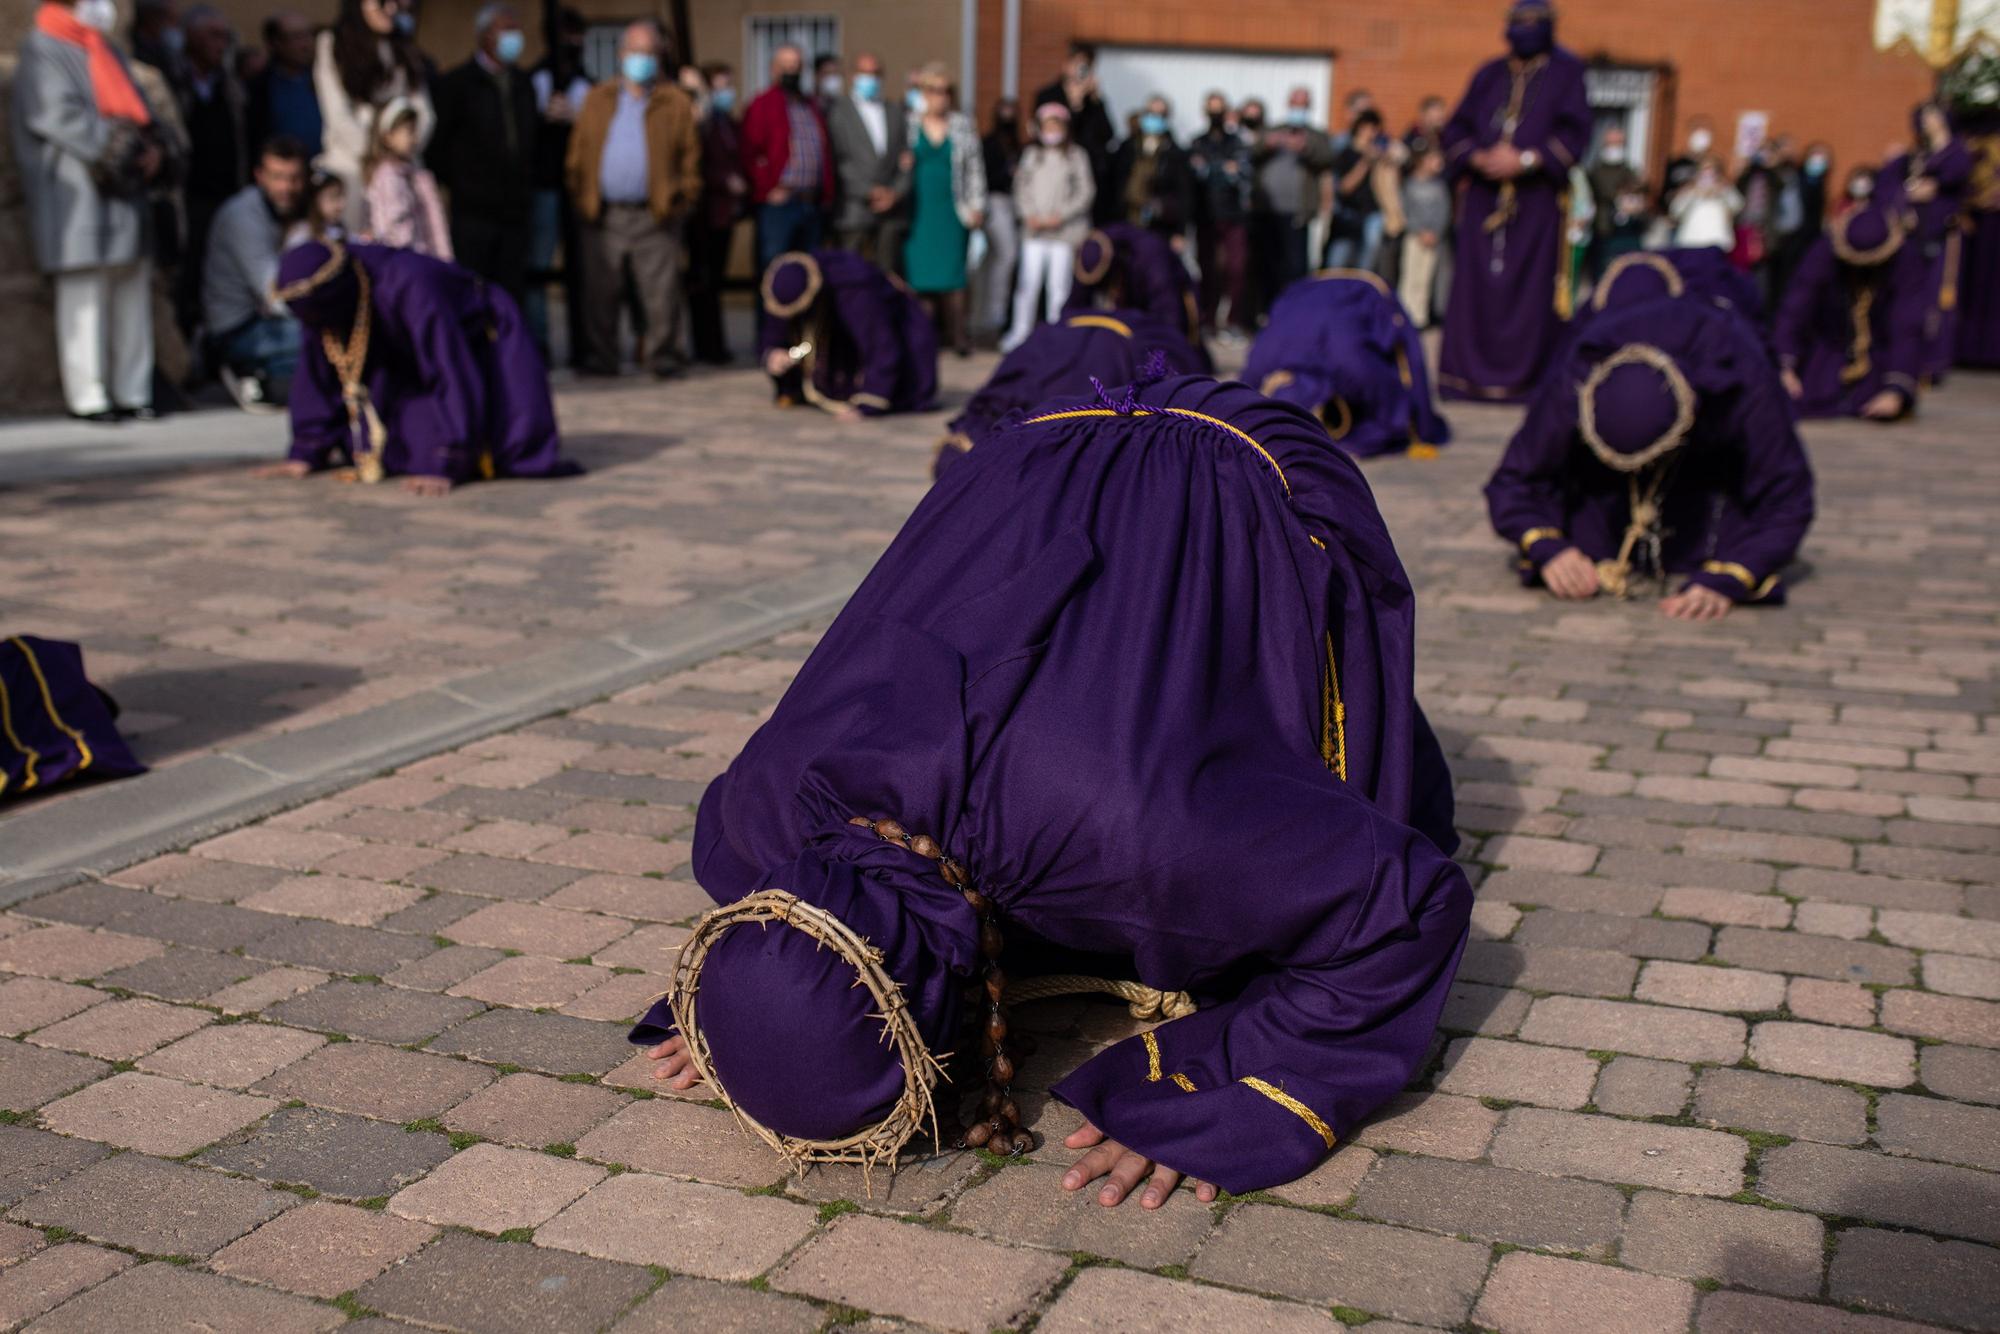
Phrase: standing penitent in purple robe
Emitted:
{"points": [[857, 339], [1523, 124], [1340, 345], [1850, 333], [1664, 446], [1110, 346], [1122, 266], [411, 366], [1979, 272], [54, 724], [1142, 666], [1928, 186]]}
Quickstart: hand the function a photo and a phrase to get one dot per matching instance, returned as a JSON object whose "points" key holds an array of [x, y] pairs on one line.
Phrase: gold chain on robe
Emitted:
{"points": [[349, 360]]}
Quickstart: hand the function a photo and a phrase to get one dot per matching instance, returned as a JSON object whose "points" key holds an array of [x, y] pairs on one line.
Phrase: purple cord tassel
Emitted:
{"points": [[1124, 407], [1155, 368]]}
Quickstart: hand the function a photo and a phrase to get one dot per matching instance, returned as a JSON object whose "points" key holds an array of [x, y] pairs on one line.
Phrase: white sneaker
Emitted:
{"points": [[247, 390]]}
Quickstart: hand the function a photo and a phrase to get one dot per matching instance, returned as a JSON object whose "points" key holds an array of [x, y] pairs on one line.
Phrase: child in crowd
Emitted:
{"points": [[403, 205], [1427, 214], [326, 211]]}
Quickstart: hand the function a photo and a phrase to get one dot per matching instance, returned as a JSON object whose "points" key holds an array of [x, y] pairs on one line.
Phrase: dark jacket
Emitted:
{"points": [[483, 149], [1167, 205], [1090, 129], [721, 164]]}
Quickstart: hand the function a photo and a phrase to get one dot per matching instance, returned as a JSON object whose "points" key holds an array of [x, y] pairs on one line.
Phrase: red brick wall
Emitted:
{"points": [[1810, 63]]}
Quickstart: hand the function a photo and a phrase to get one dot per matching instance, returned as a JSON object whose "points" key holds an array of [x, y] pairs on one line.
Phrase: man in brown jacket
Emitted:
{"points": [[634, 173]]}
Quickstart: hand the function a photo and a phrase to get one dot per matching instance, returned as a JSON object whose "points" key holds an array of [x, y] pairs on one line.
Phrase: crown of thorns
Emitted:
{"points": [[1635, 354], [336, 260], [1837, 234], [913, 1110], [1637, 259], [784, 310]]}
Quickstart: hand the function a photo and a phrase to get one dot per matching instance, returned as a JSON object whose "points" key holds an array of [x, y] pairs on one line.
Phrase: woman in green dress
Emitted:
{"points": [[947, 203]]}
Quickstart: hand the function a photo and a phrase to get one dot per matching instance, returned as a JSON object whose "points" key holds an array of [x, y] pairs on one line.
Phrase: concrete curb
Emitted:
{"points": [[109, 827]]}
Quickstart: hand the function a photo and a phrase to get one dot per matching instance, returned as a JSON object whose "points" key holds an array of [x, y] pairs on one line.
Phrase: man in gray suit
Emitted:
{"points": [[871, 140]]}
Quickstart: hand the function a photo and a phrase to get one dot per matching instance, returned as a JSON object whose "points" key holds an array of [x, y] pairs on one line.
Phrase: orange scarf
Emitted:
{"points": [[117, 98]]}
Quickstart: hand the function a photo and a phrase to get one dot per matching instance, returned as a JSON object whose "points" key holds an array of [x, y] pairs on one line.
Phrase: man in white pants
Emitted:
{"points": [[83, 138]]}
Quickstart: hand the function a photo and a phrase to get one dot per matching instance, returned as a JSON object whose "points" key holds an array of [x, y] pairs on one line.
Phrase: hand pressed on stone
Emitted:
{"points": [[288, 468], [675, 1065], [1122, 1169], [1571, 575], [1696, 602]]}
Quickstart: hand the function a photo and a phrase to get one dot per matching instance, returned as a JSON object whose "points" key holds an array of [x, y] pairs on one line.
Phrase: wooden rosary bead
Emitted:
{"points": [[954, 874], [990, 942], [976, 1136], [926, 846], [996, 986], [1003, 1069], [1010, 1112], [996, 1026], [890, 830], [861, 820]]}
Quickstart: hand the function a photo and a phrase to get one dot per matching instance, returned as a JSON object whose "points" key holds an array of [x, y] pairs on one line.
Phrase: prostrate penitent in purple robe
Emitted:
{"points": [[1978, 287], [1663, 446], [1510, 291], [1110, 346], [1143, 668], [54, 724], [1944, 175], [438, 374], [1640, 276], [856, 336], [1851, 327], [1340, 345], [1123, 266]]}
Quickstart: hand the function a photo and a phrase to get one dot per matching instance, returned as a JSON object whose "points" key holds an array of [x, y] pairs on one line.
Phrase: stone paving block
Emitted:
{"points": [[530, 982], [623, 997], [633, 896], [444, 969], [687, 1227], [1945, 1018], [469, 1283], [136, 1299], [122, 1030], [1386, 1270], [1847, 921], [654, 949], [1671, 870], [1815, 956], [1966, 1073], [381, 861], [1779, 1105], [1330, 1185], [1027, 1205], [617, 854], [1941, 931], [1636, 1086], [1834, 1053], [404, 826], [1879, 891], [333, 948], [1943, 1131], [1694, 1162], [491, 1188], [1947, 1281], [431, 914], [156, 1207], [533, 929], [186, 876], [938, 1278], [1753, 845], [17, 1243], [1739, 1245], [153, 1115], [52, 1278], [28, 1003], [1747, 1313], [1726, 907], [1953, 1201], [1641, 1030], [1540, 1294], [1492, 1204], [262, 845], [322, 1249], [374, 1011], [1491, 1011], [495, 877], [265, 988], [919, 1185], [373, 1080], [185, 974], [1494, 920], [1432, 1124], [1539, 854], [1518, 1072], [232, 1055], [1818, 1001], [684, 1139], [334, 898], [1573, 893], [30, 1159], [718, 1308], [1647, 937], [1700, 987], [553, 1044], [1574, 972], [213, 926], [1120, 1301], [337, 1154], [534, 1111], [72, 953], [503, 838], [31, 1076], [1954, 974]]}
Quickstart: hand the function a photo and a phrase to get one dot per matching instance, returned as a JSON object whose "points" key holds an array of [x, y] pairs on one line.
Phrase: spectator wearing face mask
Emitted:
{"points": [[212, 109], [1054, 189], [1151, 176], [1704, 210], [1802, 213], [947, 204], [368, 58], [788, 160], [724, 195], [1855, 191], [1681, 167], [827, 81], [483, 152], [1002, 151], [1220, 161], [1090, 125], [1354, 240], [1612, 179], [868, 136], [1294, 185]]}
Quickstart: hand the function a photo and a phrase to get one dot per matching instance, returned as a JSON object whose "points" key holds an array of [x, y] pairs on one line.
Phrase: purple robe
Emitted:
{"points": [[452, 371], [1510, 289], [54, 724], [1740, 495], [1936, 234], [1339, 345], [1112, 345], [1145, 670], [1820, 326], [873, 346], [1978, 286], [1143, 274], [1702, 271]]}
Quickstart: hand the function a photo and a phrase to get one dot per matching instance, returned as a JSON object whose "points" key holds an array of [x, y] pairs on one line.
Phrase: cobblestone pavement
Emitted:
{"points": [[1724, 1056]]}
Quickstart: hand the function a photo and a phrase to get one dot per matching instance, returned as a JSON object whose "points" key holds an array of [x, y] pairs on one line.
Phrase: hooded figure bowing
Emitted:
{"points": [[844, 336]]}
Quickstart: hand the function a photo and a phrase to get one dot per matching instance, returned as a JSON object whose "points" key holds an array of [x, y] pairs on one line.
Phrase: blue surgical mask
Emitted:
{"points": [[639, 66], [1299, 116], [1152, 124], [173, 38], [1815, 166], [868, 87], [914, 100], [723, 100], [406, 22], [509, 45]]}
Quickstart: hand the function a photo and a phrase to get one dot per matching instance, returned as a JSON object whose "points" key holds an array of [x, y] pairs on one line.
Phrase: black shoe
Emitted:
{"points": [[145, 414], [108, 417]]}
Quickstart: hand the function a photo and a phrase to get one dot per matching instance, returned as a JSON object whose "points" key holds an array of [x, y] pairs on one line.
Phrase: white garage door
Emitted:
{"points": [[1128, 75]]}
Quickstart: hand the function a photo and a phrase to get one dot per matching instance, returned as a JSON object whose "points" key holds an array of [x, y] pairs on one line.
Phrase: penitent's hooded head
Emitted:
{"points": [[318, 283], [1635, 407], [1097, 264], [1866, 236], [791, 284], [1531, 28]]}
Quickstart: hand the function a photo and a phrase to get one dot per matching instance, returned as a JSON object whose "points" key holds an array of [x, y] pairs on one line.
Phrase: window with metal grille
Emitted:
{"points": [[815, 34]]}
